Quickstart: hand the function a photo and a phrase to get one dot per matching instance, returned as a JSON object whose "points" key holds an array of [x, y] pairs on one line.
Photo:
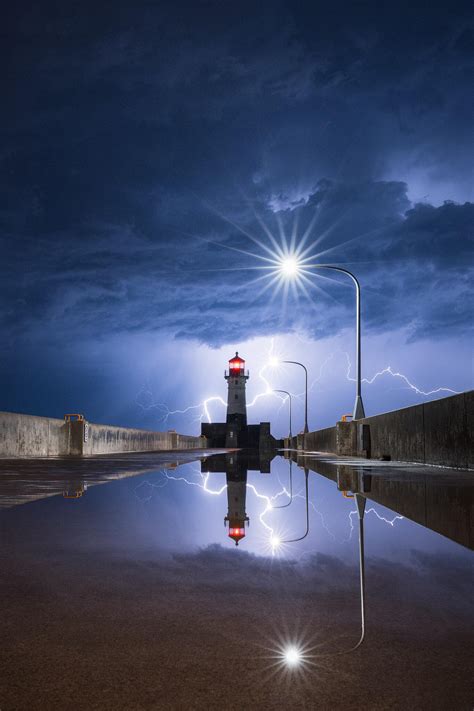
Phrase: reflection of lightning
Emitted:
{"points": [[203, 484], [390, 522], [299, 495], [273, 542]]}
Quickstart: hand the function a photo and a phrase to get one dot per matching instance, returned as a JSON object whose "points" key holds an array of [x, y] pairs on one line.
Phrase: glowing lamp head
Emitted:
{"points": [[274, 362], [292, 657], [236, 365], [275, 542], [289, 267]]}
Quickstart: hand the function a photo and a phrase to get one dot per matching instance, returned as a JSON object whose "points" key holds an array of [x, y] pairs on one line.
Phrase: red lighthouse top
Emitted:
{"points": [[236, 365], [237, 532]]}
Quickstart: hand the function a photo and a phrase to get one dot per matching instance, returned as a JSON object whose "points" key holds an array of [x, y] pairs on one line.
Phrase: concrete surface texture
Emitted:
{"points": [[31, 436], [202, 631]]}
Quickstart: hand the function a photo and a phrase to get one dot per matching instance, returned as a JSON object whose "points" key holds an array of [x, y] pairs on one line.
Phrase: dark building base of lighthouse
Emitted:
{"points": [[235, 433]]}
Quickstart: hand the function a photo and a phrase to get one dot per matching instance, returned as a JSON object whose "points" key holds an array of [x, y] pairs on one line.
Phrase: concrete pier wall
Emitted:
{"points": [[31, 436], [438, 432], [321, 440]]}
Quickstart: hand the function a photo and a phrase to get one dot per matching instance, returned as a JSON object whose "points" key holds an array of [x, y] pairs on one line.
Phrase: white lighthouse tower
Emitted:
{"points": [[236, 401]]}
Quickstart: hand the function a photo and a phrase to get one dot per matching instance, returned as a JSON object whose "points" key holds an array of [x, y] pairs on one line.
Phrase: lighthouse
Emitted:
{"points": [[235, 432], [236, 476], [236, 402]]}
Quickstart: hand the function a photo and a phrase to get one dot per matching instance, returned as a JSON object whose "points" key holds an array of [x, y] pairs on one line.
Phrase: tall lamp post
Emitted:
{"points": [[285, 392], [295, 362], [359, 412]]}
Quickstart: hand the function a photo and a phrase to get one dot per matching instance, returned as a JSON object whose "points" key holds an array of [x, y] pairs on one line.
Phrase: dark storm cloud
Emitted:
{"points": [[123, 129], [115, 275]]}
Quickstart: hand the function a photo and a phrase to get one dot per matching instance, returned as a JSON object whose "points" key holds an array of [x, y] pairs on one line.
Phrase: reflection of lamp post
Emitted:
{"points": [[294, 540], [358, 405], [360, 502], [295, 362], [285, 392], [283, 506]]}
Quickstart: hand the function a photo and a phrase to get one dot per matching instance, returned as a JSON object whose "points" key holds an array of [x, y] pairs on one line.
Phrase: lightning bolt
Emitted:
{"points": [[388, 370], [145, 399]]}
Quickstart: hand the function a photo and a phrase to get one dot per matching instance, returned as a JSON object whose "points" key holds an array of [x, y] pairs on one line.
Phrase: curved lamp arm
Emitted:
{"points": [[294, 540]]}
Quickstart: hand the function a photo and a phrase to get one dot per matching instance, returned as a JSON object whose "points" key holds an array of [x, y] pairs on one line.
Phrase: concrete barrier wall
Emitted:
{"points": [[103, 439], [438, 432], [321, 440], [31, 436], [399, 435]]}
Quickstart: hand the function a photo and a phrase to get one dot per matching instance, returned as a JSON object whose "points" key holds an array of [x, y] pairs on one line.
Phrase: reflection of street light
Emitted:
{"points": [[276, 540], [292, 656], [360, 502], [294, 540], [285, 392], [295, 362]]}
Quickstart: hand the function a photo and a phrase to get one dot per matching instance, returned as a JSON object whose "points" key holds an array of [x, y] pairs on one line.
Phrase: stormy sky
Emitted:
{"points": [[152, 154]]}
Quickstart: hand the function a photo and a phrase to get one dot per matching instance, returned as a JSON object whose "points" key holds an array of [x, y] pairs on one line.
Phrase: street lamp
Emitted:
{"points": [[358, 405], [295, 362], [285, 392], [291, 268]]}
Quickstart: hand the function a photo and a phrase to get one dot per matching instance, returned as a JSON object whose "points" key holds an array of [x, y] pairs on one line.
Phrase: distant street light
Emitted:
{"points": [[295, 362], [285, 392]]}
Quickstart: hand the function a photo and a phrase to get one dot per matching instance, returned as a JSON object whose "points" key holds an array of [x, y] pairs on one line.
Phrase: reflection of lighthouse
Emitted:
{"points": [[236, 401], [236, 475]]}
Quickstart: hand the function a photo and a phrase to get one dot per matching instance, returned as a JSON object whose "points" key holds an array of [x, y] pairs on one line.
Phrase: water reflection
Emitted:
{"points": [[290, 487], [74, 490], [235, 465], [439, 499], [295, 508], [300, 538]]}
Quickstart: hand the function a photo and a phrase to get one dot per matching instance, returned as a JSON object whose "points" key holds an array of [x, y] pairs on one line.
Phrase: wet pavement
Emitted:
{"points": [[134, 594]]}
